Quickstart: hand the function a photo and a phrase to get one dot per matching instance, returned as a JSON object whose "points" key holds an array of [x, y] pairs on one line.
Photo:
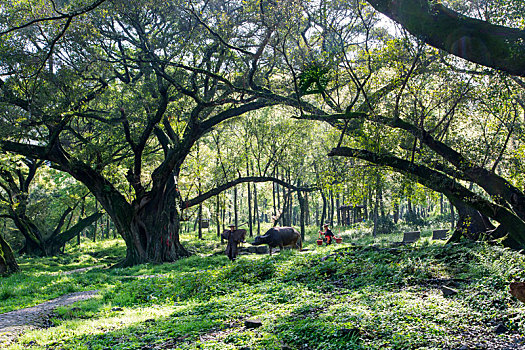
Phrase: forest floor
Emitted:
{"points": [[362, 294]]}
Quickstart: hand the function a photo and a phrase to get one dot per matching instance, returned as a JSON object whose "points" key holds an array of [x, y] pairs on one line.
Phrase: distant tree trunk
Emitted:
{"points": [[337, 205], [331, 208], [381, 202], [302, 214], [95, 224], [274, 203], [223, 220], [200, 221], [325, 205], [278, 190], [217, 214], [370, 202], [317, 222], [376, 215], [307, 213], [256, 210], [250, 223], [396, 211], [235, 208], [365, 204], [82, 210]]}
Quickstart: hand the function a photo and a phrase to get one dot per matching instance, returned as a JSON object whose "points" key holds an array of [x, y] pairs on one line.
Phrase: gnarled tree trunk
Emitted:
{"points": [[149, 226], [8, 264], [471, 223]]}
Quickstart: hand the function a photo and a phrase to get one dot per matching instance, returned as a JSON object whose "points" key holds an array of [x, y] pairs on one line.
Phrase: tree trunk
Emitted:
{"points": [[250, 222], [59, 239], [337, 205], [256, 210], [325, 205], [82, 209], [278, 191], [200, 221], [95, 225], [307, 214], [149, 225], [302, 214], [107, 226], [235, 209], [331, 208], [8, 264], [452, 216], [317, 222], [471, 223], [217, 214], [376, 208], [34, 243], [274, 203]]}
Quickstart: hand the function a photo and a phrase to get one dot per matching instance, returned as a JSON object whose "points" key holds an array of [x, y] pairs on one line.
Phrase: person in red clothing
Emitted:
{"points": [[328, 234]]}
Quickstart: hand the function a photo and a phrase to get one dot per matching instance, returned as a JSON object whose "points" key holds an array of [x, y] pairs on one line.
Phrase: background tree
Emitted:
{"points": [[38, 214]]}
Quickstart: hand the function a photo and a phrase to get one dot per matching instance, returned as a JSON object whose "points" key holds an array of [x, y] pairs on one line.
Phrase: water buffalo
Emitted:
{"points": [[281, 237], [233, 238]]}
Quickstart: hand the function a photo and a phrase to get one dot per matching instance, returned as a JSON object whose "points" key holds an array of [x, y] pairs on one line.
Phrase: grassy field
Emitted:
{"points": [[362, 294]]}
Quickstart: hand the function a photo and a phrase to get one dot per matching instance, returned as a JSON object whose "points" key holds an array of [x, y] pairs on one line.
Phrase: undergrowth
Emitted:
{"points": [[348, 296]]}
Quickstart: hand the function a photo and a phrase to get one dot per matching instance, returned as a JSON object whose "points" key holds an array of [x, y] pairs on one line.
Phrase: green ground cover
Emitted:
{"points": [[349, 296]]}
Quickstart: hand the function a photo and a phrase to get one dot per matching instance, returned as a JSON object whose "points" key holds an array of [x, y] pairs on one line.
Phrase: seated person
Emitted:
{"points": [[328, 234]]}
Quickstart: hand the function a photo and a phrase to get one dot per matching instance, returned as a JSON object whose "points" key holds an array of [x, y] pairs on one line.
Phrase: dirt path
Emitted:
{"points": [[84, 269], [38, 316], [14, 323]]}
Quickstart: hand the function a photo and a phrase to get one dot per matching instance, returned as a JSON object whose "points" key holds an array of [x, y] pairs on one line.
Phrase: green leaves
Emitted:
{"points": [[314, 78]]}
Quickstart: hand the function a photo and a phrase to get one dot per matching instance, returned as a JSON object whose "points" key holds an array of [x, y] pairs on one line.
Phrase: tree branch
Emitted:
{"points": [[201, 198], [477, 41], [78, 12], [443, 184]]}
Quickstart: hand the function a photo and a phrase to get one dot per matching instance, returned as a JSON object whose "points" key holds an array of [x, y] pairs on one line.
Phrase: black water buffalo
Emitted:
{"points": [[280, 237], [233, 238]]}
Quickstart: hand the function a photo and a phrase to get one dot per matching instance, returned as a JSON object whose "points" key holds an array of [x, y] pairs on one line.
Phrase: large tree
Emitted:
{"points": [[442, 163], [125, 93]]}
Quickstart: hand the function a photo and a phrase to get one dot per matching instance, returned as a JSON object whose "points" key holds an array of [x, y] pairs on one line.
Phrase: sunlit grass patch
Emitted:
{"points": [[107, 328]]}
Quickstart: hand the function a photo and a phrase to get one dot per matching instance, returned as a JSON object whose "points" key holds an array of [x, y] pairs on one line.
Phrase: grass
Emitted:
{"points": [[364, 295]]}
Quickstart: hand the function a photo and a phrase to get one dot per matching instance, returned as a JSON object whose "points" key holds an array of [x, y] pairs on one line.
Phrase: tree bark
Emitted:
{"points": [[302, 214], [325, 205], [337, 205], [235, 208], [8, 264], [376, 207], [200, 221], [256, 210], [475, 40], [332, 206], [471, 223]]}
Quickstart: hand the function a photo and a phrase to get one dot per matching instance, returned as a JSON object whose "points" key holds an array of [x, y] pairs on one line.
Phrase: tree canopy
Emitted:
{"points": [[156, 107]]}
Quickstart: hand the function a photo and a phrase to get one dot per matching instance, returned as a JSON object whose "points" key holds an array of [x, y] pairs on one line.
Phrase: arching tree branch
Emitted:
{"points": [[477, 41], [441, 183], [201, 198]]}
